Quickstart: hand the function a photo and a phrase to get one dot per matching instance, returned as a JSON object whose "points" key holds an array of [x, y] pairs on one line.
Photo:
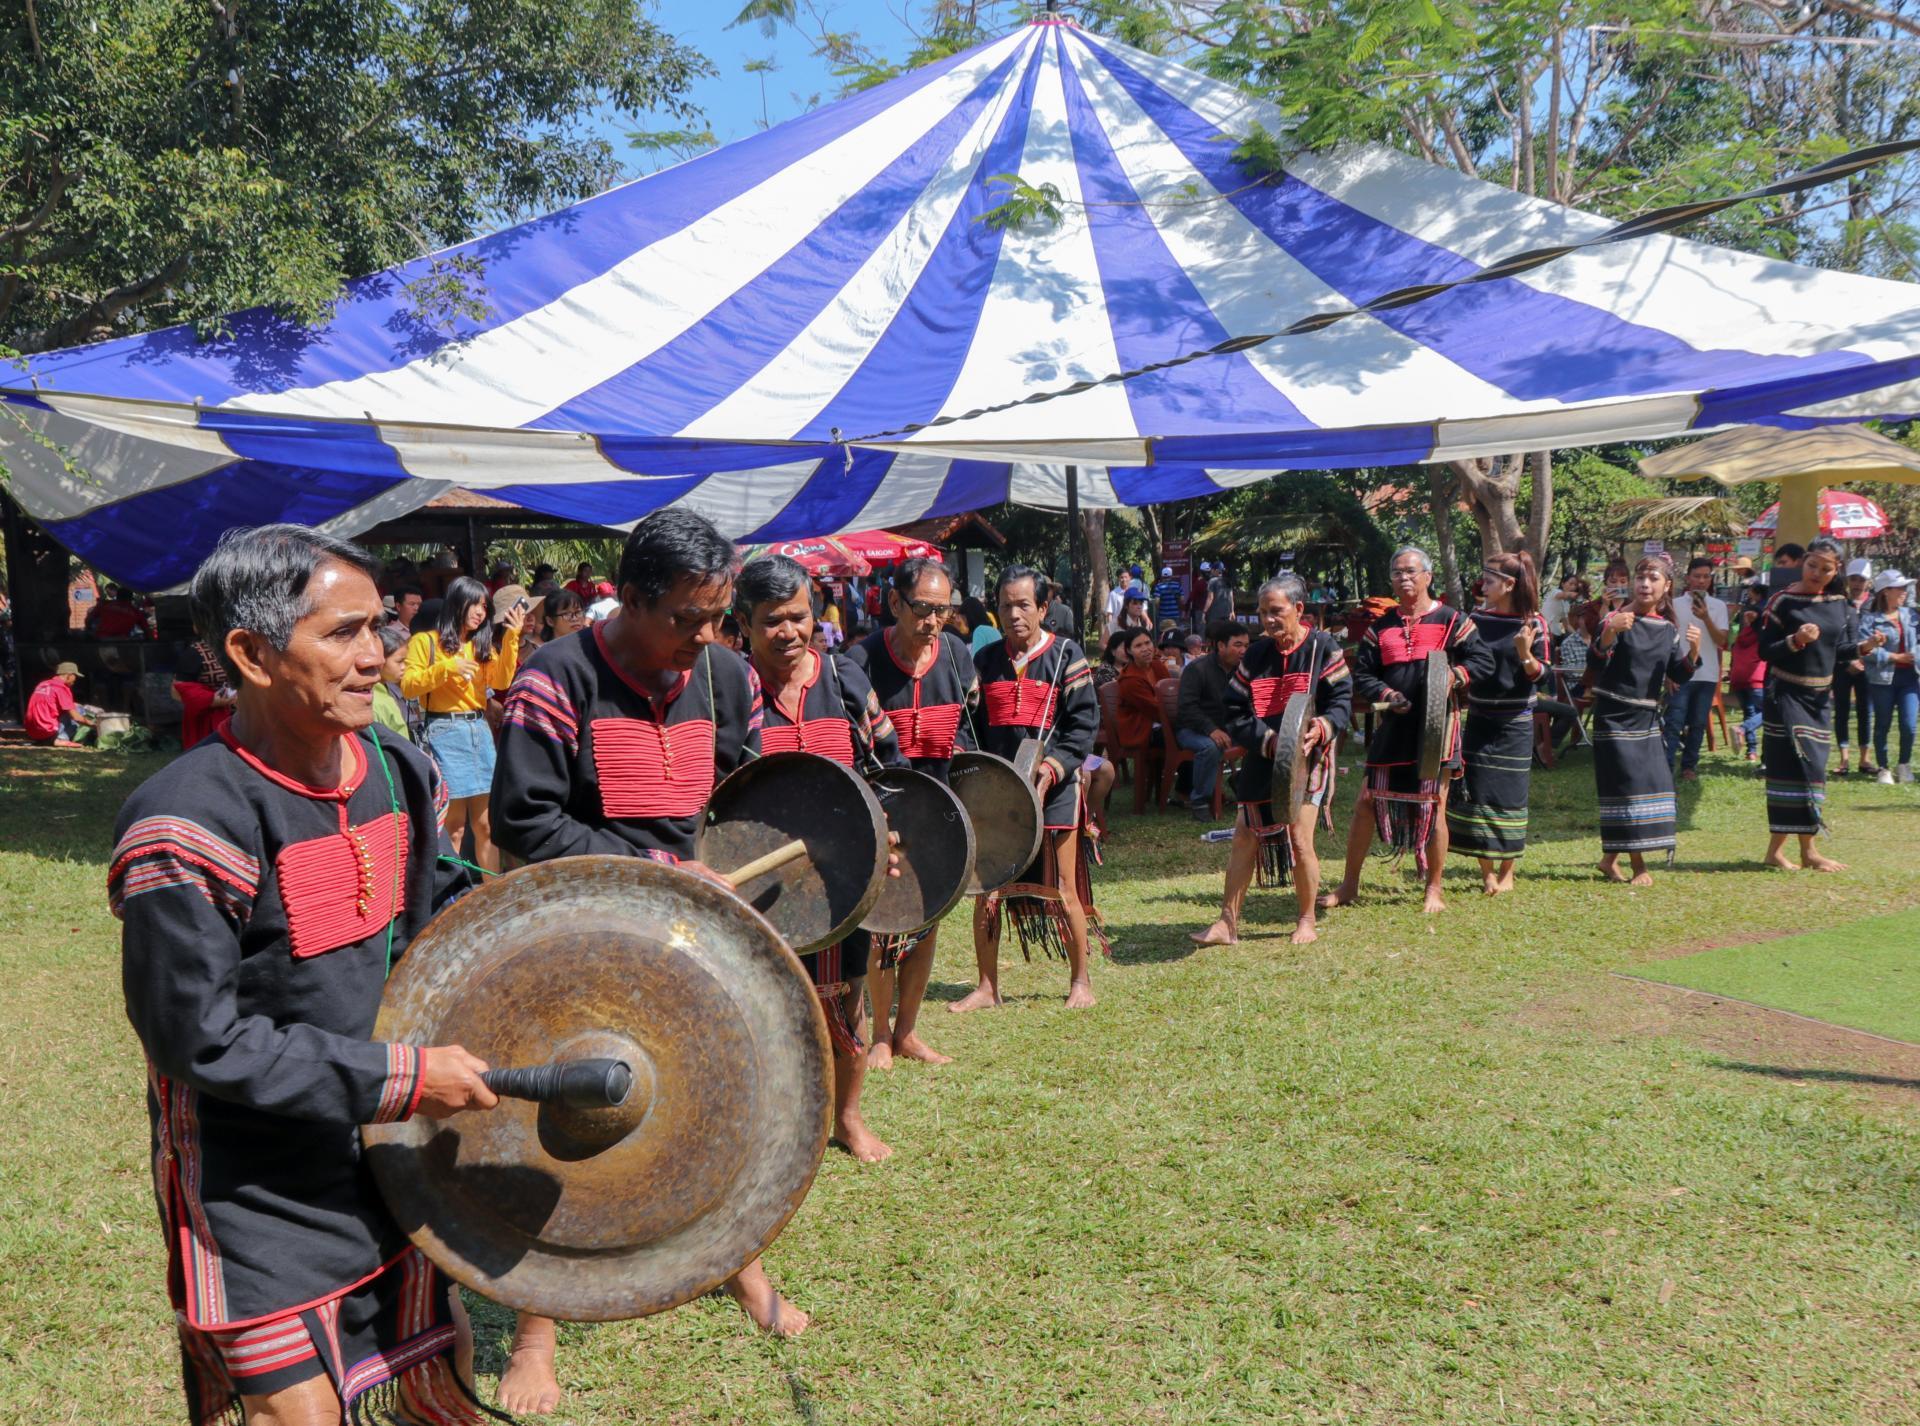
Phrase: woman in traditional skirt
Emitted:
{"points": [[1639, 648], [1807, 630], [1487, 814], [1036, 684]]}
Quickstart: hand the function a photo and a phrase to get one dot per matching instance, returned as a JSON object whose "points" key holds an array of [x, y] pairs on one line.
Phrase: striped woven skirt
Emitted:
{"points": [[1796, 735], [1634, 779], [1487, 814]]}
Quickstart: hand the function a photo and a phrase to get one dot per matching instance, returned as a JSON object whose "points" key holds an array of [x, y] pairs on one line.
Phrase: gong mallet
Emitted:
{"points": [[578, 1084]]}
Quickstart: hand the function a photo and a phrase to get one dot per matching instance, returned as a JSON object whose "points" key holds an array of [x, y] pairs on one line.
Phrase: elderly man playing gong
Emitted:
{"points": [[1288, 659], [265, 881], [1390, 665]]}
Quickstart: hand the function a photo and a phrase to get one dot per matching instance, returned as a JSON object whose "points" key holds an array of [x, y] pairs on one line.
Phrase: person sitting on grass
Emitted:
{"points": [[52, 715]]}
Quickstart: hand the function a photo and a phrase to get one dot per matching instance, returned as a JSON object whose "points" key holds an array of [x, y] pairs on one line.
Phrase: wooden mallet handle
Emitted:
{"points": [[793, 851]]}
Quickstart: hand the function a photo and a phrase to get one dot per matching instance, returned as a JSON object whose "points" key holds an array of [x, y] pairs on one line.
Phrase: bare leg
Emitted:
{"points": [[1812, 860], [1507, 870], [1359, 843], [771, 1313], [1776, 856], [1099, 789], [313, 1402], [485, 853], [1065, 863], [880, 987], [462, 1335], [1641, 876], [1242, 859], [916, 970], [1489, 876], [1306, 874], [529, 1387], [1610, 866], [849, 1074], [986, 959], [1437, 855]]}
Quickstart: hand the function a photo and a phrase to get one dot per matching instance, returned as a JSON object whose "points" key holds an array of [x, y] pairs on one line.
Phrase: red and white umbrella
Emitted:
{"points": [[885, 547], [1843, 516], [824, 557]]}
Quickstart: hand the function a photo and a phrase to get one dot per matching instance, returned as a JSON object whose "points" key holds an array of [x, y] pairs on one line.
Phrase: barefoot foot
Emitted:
{"points": [[1813, 861], [981, 997], [1611, 870], [1335, 899], [1080, 995], [1490, 883], [1304, 932], [1641, 878], [880, 1055], [1778, 862], [912, 1047], [528, 1387], [852, 1134], [1220, 933], [1434, 902]]}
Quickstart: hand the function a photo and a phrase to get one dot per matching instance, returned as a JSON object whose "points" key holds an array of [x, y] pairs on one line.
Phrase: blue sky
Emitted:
{"points": [[731, 97]]}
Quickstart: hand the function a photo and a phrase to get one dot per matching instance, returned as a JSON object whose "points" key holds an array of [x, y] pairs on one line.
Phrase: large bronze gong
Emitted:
{"points": [[595, 1214], [1008, 821], [762, 805], [935, 849], [1292, 767]]}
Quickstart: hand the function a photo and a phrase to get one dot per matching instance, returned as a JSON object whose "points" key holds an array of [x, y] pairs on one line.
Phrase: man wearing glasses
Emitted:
{"points": [[1390, 666]]}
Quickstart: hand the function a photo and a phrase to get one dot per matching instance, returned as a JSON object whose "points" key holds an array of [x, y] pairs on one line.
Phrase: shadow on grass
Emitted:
{"points": [[1826, 1076]]}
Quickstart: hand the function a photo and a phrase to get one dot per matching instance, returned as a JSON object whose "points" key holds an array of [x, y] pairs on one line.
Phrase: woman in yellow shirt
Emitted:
{"points": [[449, 670]]}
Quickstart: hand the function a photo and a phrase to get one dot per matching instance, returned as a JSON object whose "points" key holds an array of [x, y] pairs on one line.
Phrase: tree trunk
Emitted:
{"points": [[1540, 510], [1442, 486], [1093, 525], [1492, 487]]}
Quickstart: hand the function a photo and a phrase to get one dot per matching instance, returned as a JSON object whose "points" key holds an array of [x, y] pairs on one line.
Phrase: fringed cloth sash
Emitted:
{"points": [[890, 950], [1403, 815], [386, 1345], [834, 989], [1038, 914], [1274, 866]]}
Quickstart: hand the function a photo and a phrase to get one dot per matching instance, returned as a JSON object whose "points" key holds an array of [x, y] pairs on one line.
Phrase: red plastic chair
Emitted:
{"points": [[1173, 755]]}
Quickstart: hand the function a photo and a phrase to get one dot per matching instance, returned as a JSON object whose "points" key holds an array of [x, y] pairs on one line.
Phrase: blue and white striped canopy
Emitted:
{"points": [[749, 332]]}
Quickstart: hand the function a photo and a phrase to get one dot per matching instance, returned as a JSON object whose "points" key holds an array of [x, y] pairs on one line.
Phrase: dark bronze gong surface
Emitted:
{"points": [[1292, 768], [1436, 722], [1004, 808], [784, 797], [935, 849], [600, 1214]]}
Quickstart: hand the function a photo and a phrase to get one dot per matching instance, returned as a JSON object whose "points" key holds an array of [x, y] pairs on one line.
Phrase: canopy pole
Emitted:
{"points": [[1073, 547]]}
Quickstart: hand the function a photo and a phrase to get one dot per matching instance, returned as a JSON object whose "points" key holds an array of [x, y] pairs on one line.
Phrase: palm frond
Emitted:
{"points": [[1680, 516]]}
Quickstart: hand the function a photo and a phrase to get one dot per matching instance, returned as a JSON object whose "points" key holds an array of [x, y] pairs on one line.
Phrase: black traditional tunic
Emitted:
{"points": [[1630, 767], [1487, 814], [1392, 657], [259, 920], [929, 712], [588, 763], [1256, 699], [1797, 727], [839, 719], [1048, 696]]}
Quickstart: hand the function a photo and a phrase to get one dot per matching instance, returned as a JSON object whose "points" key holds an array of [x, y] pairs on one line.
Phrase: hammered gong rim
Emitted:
{"points": [[1008, 820], [936, 851], [781, 797], [1438, 710], [581, 1218], [1291, 772]]}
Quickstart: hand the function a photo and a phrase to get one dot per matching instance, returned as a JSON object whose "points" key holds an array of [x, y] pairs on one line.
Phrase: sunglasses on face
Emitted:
{"points": [[927, 608]]}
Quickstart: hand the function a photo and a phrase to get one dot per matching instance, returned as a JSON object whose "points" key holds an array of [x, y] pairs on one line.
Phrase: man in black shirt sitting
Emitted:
{"points": [[1201, 717]]}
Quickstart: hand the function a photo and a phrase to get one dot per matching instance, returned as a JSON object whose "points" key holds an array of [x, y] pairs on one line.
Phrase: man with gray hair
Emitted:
{"points": [[265, 881], [1390, 668]]}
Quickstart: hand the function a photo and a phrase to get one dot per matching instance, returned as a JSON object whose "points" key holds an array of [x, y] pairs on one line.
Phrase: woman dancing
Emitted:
{"points": [[1807, 631], [1638, 649], [1487, 814]]}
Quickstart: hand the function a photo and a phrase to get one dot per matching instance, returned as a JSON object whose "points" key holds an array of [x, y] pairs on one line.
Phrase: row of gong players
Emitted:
{"points": [[311, 971], [271, 878]]}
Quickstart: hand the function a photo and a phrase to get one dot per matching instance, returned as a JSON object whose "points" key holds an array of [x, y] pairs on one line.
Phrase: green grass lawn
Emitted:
{"points": [[1362, 1181], [1865, 975]]}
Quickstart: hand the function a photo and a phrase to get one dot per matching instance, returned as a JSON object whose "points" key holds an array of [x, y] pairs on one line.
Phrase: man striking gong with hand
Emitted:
{"points": [[265, 881]]}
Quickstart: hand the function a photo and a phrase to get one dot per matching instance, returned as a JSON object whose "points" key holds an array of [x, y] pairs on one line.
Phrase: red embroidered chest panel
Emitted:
{"points": [[340, 889], [1411, 643], [1019, 703], [649, 770], [824, 737], [1270, 695], [927, 732]]}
